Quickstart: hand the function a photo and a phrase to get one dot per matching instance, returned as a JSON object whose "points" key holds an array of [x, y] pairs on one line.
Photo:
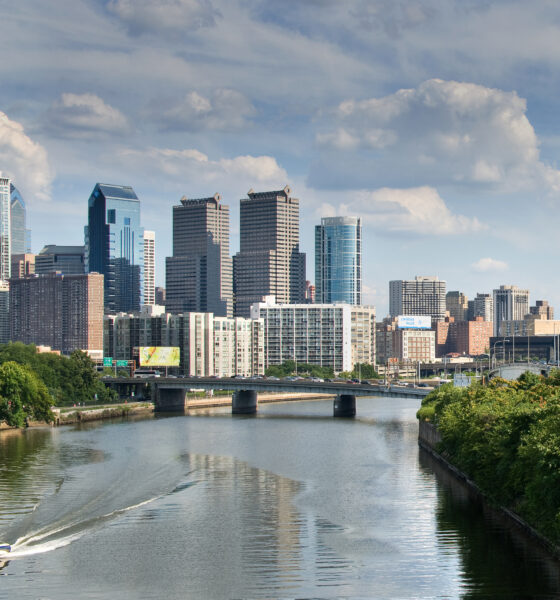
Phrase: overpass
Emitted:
{"points": [[169, 393]]}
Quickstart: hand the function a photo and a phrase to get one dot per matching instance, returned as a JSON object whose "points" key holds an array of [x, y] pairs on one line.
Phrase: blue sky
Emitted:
{"points": [[437, 122]]}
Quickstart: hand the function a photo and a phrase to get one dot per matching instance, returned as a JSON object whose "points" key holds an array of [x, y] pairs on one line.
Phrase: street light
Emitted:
{"points": [[494, 347]]}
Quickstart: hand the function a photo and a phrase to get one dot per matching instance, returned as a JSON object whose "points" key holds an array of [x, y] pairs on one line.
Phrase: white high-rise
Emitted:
{"points": [[5, 229], [510, 304], [149, 267]]}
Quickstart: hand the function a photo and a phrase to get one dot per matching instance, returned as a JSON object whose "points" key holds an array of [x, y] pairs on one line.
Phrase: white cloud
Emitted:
{"points": [[442, 132], [414, 210], [164, 16], [83, 115], [24, 161], [191, 163], [489, 264], [226, 110]]}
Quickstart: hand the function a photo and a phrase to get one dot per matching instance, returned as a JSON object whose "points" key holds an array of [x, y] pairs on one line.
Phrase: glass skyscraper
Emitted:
{"points": [[20, 236], [338, 260], [115, 245]]}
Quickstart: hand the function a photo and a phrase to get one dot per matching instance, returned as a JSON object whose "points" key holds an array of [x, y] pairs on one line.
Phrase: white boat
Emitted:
{"points": [[5, 547]]}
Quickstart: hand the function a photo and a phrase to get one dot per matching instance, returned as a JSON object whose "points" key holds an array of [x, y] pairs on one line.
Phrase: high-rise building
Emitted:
{"points": [[4, 312], [20, 236], [510, 304], [269, 262], [160, 295], [68, 260], [457, 305], [198, 276], [483, 306], [542, 310], [64, 312], [149, 267], [115, 245], [5, 229], [423, 296], [338, 260], [22, 265]]}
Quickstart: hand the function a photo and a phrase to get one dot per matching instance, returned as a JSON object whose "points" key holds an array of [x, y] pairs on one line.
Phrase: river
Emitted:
{"points": [[291, 503]]}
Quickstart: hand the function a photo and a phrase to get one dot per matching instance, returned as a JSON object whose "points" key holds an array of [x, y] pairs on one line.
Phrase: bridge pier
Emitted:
{"points": [[244, 402], [169, 400], [344, 406]]}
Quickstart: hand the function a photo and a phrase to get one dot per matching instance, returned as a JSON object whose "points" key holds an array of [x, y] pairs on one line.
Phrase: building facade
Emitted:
{"points": [[422, 296], [20, 235], [338, 260], [64, 312], [22, 265], [68, 260], [338, 336], [415, 345], [269, 261], [5, 229], [149, 267], [457, 305], [4, 312], [542, 310], [510, 304], [483, 306], [468, 338], [209, 345], [115, 245], [198, 277]]}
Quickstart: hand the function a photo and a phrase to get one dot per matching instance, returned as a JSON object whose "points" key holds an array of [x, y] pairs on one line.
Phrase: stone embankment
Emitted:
{"points": [[429, 438]]}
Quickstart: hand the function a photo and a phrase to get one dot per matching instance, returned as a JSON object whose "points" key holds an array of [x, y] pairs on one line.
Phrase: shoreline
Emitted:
{"points": [[429, 437], [84, 414]]}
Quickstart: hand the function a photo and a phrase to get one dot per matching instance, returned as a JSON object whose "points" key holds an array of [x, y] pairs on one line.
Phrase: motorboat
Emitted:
{"points": [[5, 547]]}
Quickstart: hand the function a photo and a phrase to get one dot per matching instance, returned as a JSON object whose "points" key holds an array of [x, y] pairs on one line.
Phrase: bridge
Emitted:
{"points": [[169, 393], [512, 371]]}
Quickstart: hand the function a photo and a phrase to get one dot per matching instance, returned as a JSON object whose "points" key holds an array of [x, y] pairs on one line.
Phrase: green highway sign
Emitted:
{"points": [[107, 361], [122, 363]]}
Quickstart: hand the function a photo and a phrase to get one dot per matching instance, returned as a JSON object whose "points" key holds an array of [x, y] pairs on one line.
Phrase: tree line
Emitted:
{"points": [[32, 382], [506, 437]]}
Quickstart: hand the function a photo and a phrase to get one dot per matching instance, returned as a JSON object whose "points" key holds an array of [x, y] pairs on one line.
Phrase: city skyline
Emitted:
{"points": [[431, 123]]}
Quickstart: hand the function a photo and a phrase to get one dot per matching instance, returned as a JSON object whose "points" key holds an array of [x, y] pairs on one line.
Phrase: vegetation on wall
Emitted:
{"points": [[506, 437]]}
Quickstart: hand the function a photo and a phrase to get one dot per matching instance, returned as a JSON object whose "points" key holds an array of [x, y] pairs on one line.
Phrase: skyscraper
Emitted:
{"points": [[21, 237], [510, 304], [457, 305], [149, 267], [423, 296], [269, 261], [338, 260], [198, 275], [69, 260], [115, 245], [5, 229], [483, 306]]}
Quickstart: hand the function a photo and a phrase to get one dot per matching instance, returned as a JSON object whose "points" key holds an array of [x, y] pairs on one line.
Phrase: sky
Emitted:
{"points": [[436, 122]]}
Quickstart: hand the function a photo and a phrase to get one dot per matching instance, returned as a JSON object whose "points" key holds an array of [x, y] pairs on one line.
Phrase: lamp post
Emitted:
{"points": [[494, 348]]}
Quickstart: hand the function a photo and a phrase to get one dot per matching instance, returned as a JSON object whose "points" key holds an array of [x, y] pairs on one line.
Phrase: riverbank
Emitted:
{"points": [[428, 439], [70, 415]]}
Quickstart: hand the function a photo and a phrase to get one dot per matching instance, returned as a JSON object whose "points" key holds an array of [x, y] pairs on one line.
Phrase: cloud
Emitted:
{"points": [[24, 161], [489, 264], [226, 110], [418, 210], [164, 16], [442, 132], [191, 163], [83, 115]]}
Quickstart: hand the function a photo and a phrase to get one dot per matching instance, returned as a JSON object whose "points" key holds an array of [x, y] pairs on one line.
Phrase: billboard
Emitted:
{"points": [[159, 356], [414, 322]]}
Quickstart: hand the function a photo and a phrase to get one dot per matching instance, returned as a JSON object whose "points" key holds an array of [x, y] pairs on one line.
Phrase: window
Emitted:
{"points": [[111, 216], [127, 220]]}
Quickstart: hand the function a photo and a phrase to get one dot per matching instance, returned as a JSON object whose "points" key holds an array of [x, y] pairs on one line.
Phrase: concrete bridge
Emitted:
{"points": [[512, 371], [169, 393]]}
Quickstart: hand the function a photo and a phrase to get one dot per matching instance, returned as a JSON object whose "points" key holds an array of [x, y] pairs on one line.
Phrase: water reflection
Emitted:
{"points": [[497, 560]]}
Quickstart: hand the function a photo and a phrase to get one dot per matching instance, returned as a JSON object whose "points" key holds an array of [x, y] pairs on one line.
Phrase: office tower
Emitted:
{"points": [[423, 296], [198, 276], [149, 267], [22, 265], [483, 306], [510, 304], [160, 295], [115, 245], [309, 296], [68, 260], [5, 229], [20, 236], [457, 305], [64, 312], [269, 261], [338, 260], [542, 310]]}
